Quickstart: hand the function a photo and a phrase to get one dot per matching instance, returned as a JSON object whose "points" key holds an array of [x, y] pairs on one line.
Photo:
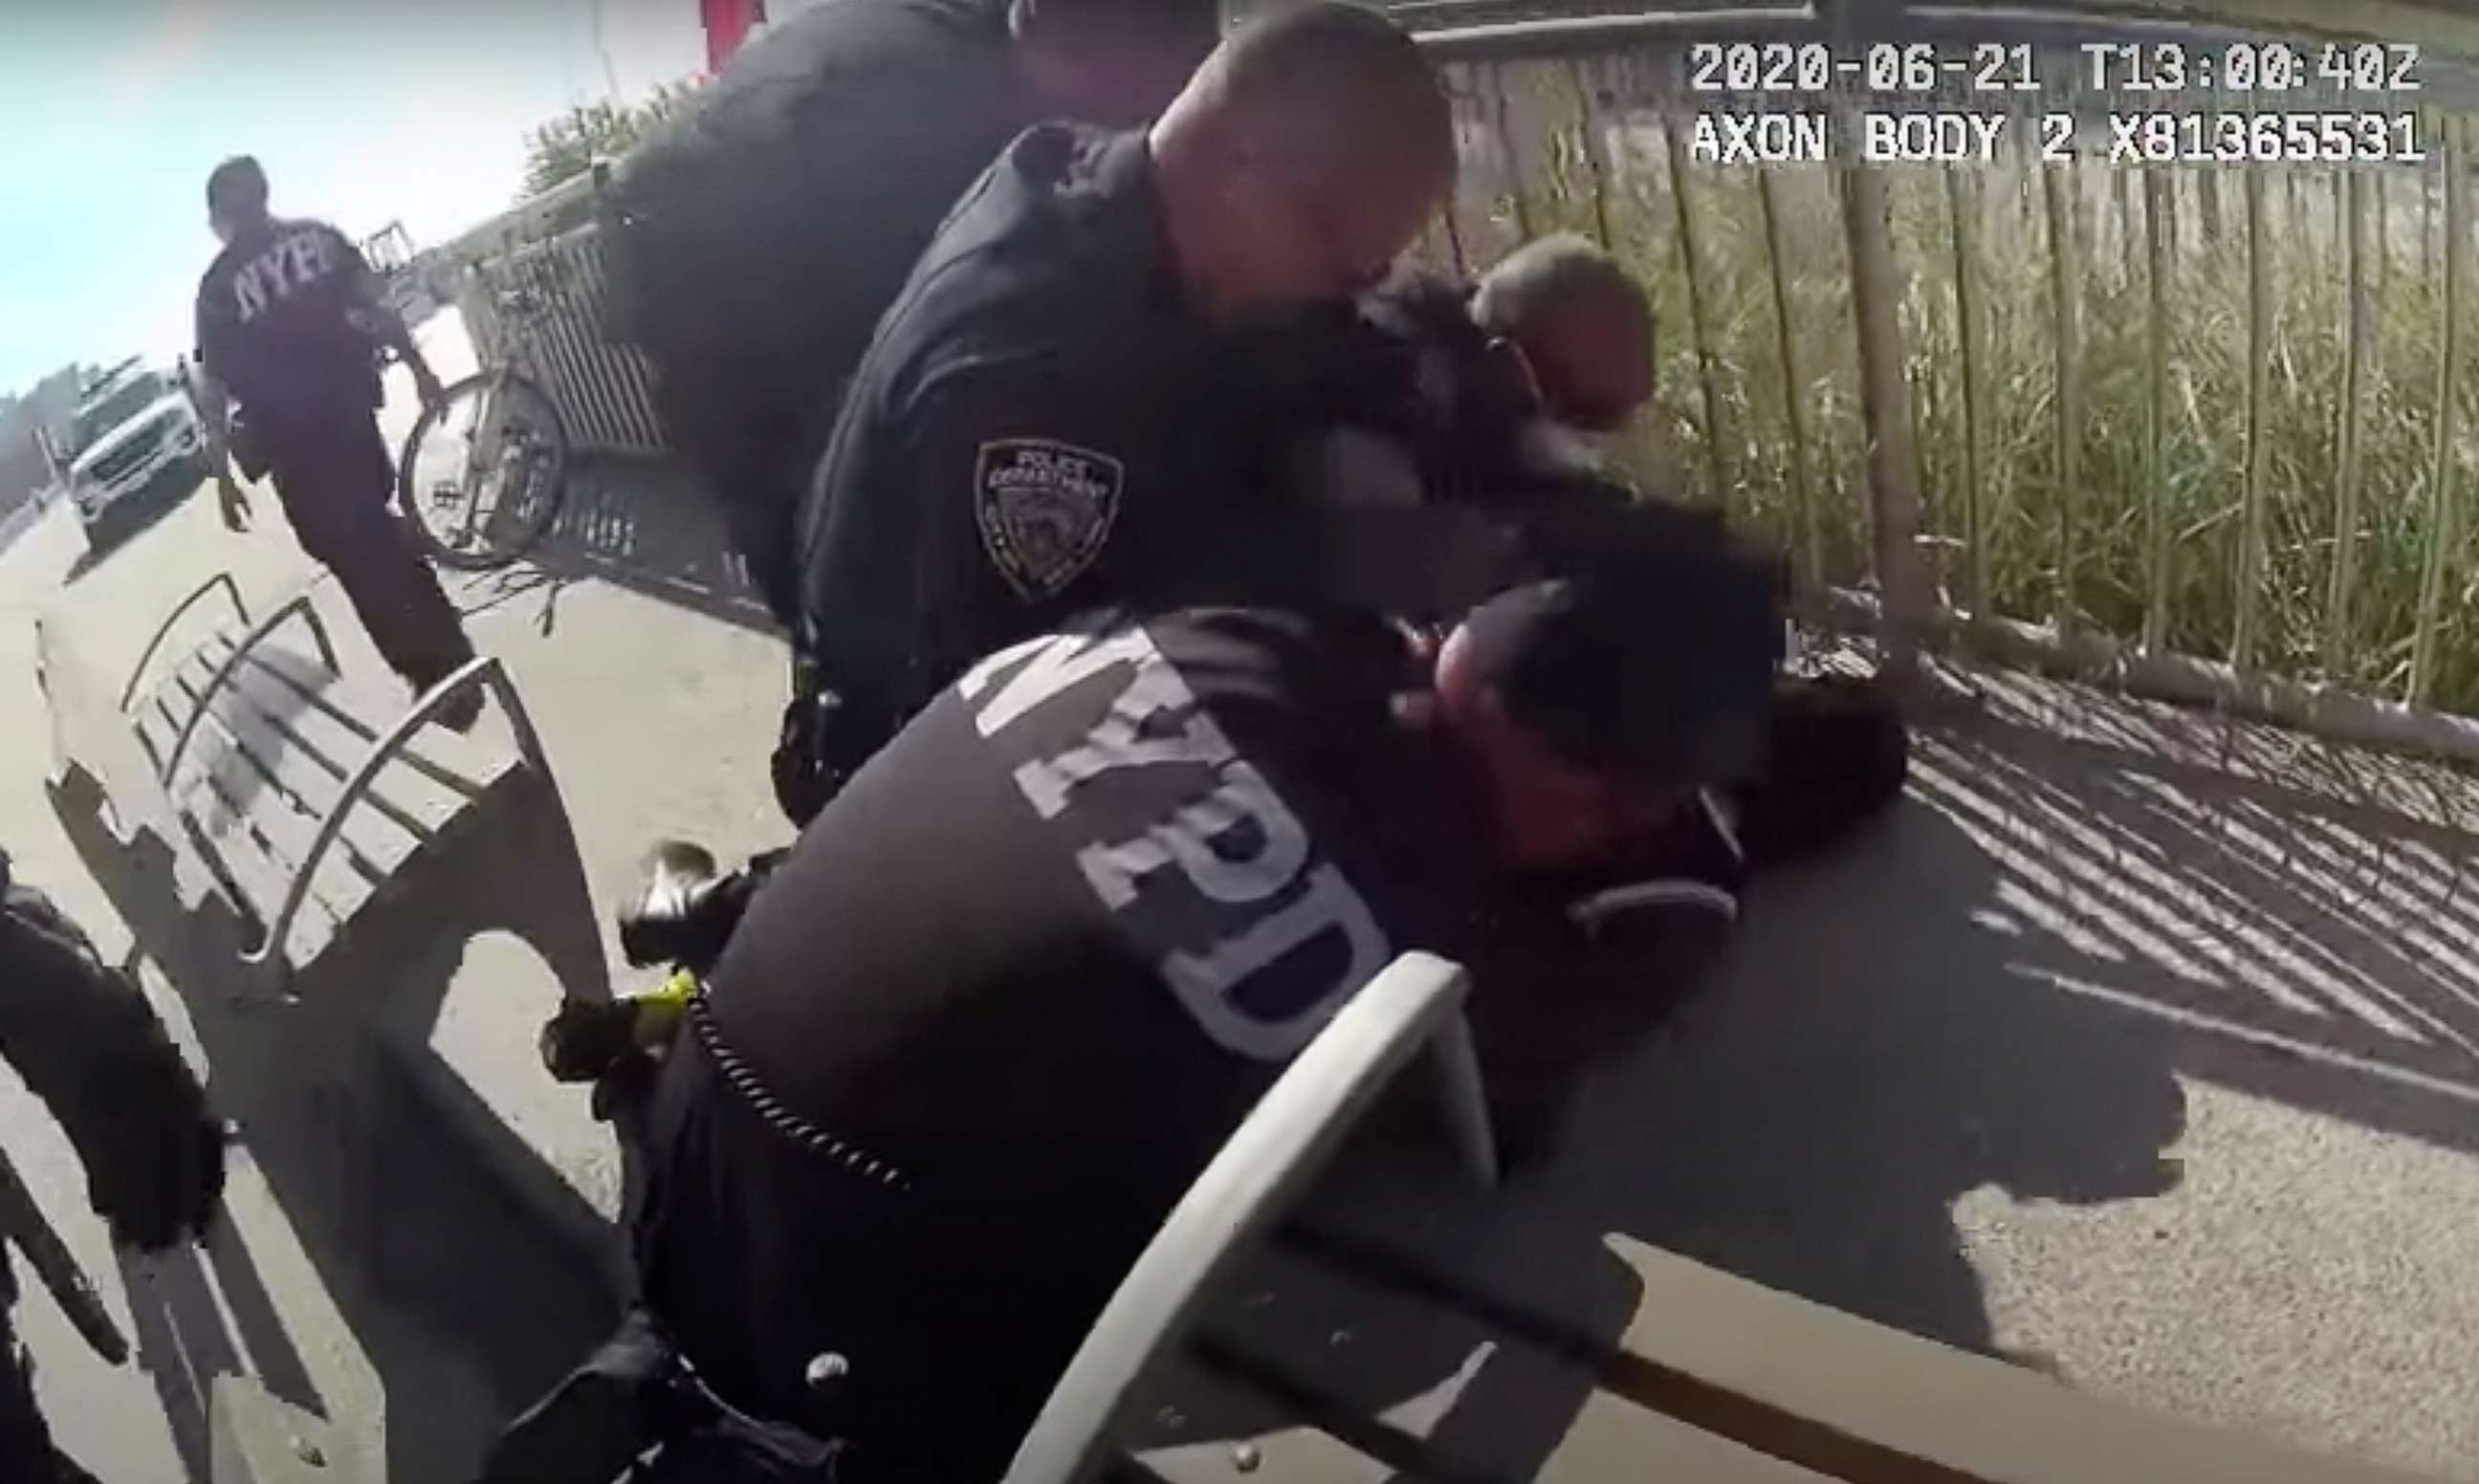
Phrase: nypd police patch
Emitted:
{"points": [[1045, 509]]}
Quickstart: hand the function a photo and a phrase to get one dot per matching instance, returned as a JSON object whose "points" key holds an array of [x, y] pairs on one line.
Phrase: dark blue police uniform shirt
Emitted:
{"points": [[275, 326], [1043, 422], [1037, 406], [781, 208]]}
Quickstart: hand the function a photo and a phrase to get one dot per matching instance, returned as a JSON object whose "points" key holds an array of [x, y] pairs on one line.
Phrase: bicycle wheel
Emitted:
{"points": [[482, 473]]}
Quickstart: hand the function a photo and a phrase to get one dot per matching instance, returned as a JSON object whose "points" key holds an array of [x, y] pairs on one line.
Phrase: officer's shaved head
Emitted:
{"points": [[1582, 321], [1304, 156]]}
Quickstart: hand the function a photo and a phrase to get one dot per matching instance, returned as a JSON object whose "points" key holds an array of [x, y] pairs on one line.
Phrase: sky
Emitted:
{"points": [[364, 111]]}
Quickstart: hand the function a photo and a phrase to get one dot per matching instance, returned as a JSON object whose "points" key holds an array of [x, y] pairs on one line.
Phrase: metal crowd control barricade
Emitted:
{"points": [[604, 390], [1897, 369]]}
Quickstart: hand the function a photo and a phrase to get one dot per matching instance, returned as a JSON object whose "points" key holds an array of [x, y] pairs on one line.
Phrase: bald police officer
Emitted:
{"points": [[1023, 977], [1054, 414], [763, 233]]}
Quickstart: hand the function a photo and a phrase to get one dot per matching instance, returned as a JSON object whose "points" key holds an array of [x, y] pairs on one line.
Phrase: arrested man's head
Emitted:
{"points": [[1581, 324]]}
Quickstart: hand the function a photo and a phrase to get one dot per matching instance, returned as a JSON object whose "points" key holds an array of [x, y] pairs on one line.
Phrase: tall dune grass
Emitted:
{"points": [[1564, 174]]}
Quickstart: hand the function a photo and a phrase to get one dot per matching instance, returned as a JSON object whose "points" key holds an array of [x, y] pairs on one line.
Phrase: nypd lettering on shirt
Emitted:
{"points": [[296, 260], [1222, 882], [1045, 509]]}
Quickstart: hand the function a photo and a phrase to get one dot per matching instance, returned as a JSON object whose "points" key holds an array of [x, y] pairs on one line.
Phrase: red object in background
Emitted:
{"points": [[727, 23]]}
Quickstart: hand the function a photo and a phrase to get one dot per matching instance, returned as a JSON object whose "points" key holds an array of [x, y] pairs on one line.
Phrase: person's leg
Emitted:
{"points": [[26, 1449], [1837, 754], [335, 487], [746, 453]]}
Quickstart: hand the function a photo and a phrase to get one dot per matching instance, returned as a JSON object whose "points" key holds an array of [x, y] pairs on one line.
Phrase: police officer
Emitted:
{"points": [[761, 236], [290, 319], [85, 1041], [1021, 980], [1053, 413]]}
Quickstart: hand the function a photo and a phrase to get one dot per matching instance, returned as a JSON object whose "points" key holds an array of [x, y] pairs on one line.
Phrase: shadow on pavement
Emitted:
{"points": [[1868, 1052], [178, 1305], [103, 541], [644, 525], [436, 1250], [2305, 930], [2001, 987]]}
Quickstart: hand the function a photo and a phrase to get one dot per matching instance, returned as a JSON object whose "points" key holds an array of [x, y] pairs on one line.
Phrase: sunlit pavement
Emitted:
{"points": [[656, 720]]}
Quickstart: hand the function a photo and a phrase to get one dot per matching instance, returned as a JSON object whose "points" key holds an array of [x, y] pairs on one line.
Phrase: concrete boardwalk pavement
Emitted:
{"points": [[2137, 1048], [659, 710]]}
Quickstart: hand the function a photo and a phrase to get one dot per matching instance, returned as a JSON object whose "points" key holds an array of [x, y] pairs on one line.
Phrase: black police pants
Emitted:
{"points": [[26, 1450], [750, 458], [335, 481]]}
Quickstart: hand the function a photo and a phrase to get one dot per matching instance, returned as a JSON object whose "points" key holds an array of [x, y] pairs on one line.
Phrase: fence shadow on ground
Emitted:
{"points": [[644, 525], [466, 1303], [2001, 987], [2301, 918], [1863, 1057], [2082, 900]]}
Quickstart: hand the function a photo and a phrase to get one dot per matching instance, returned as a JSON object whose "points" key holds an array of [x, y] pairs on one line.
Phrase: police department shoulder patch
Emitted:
{"points": [[1045, 509]]}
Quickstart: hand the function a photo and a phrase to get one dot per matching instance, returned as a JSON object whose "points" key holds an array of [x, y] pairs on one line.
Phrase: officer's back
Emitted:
{"points": [[768, 246], [1033, 966], [277, 324], [791, 195]]}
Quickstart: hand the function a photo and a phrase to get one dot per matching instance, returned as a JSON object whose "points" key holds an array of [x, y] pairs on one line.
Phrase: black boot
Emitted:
{"points": [[685, 911], [1836, 758]]}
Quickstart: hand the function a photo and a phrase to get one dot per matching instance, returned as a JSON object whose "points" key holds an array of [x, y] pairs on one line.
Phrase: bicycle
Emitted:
{"points": [[484, 470]]}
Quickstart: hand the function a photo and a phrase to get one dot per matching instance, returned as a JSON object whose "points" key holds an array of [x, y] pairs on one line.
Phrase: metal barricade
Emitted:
{"points": [[546, 306]]}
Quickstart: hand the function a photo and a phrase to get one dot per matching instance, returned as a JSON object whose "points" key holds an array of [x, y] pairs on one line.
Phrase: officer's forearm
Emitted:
{"points": [[398, 336]]}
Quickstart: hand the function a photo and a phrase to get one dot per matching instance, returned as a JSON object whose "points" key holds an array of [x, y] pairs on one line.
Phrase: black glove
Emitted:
{"points": [[584, 1039]]}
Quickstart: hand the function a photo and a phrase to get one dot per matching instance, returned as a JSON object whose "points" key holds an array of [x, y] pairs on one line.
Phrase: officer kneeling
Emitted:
{"points": [[1020, 981]]}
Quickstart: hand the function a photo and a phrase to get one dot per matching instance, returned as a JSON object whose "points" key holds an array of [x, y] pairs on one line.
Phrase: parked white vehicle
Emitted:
{"points": [[138, 438]]}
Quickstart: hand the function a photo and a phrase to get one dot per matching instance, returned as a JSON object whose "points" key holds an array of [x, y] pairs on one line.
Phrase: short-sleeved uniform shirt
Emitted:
{"points": [[1043, 422], [277, 316], [1042, 955]]}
